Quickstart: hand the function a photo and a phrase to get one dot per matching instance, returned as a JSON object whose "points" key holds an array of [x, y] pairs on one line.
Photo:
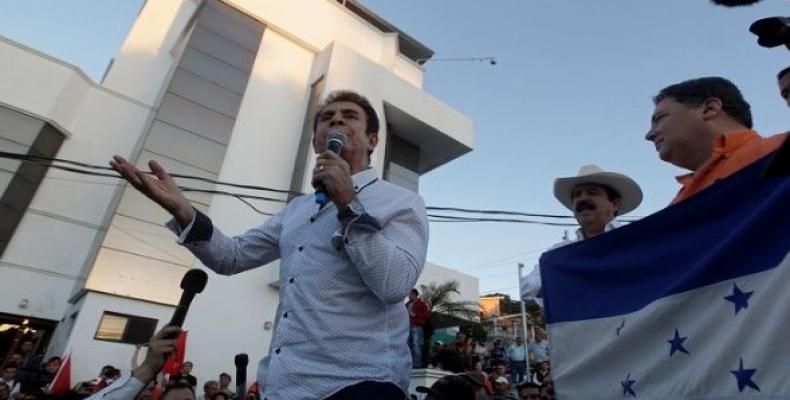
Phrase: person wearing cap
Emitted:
{"points": [[455, 387], [595, 197], [704, 125]]}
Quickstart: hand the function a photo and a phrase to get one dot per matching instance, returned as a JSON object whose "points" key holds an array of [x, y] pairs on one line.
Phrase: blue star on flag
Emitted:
{"points": [[744, 377], [626, 384], [739, 298], [677, 344]]}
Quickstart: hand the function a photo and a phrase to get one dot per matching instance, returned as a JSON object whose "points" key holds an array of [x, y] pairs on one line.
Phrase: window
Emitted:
{"points": [[123, 328]]}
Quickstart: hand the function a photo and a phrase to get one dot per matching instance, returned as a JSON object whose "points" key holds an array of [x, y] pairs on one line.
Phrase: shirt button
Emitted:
{"points": [[345, 240], [312, 219], [301, 248], [338, 248], [291, 280], [285, 315], [277, 351]]}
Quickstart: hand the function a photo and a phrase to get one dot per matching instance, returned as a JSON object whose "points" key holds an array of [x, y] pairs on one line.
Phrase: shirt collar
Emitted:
{"points": [[611, 225], [364, 178], [724, 145]]}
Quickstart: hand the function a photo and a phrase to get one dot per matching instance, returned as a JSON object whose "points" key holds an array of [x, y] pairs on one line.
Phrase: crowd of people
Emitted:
{"points": [[502, 367], [26, 374]]}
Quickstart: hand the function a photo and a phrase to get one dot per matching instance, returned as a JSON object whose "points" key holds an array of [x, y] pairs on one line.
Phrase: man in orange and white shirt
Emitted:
{"points": [[704, 125]]}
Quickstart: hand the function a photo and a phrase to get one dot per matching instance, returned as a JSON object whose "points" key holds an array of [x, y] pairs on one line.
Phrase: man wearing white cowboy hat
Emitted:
{"points": [[595, 196]]}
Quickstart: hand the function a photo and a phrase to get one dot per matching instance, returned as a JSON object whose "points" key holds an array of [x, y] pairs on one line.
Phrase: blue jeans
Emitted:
{"points": [[415, 345], [518, 370]]}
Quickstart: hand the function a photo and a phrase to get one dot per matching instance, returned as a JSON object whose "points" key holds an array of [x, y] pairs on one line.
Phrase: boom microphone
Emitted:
{"points": [[241, 361], [193, 282]]}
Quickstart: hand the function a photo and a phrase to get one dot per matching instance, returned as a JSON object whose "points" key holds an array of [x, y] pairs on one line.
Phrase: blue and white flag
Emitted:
{"points": [[692, 302]]}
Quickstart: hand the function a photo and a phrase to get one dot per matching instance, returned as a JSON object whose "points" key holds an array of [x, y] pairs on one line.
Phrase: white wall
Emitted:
{"points": [[468, 285], [56, 238]]}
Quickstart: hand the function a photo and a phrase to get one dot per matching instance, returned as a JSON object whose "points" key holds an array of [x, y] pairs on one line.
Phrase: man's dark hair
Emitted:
{"points": [[55, 358], [694, 92], [372, 123], [527, 385], [179, 384], [415, 292], [224, 374], [782, 73]]}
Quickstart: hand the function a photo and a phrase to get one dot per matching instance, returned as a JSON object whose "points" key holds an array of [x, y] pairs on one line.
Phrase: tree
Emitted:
{"points": [[439, 299]]}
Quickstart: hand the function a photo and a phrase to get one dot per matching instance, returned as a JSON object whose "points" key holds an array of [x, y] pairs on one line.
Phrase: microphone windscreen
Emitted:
{"points": [[241, 360], [194, 281], [336, 134]]}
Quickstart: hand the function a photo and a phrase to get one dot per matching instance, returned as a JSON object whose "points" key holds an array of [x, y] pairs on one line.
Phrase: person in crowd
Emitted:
{"points": [[498, 354], [517, 357], [479, 374], [8, 378], [209, 389], [541, 373], [418, 317], [595, 197], [783, 79], [547, 389], [539, 348], [455, 387], [5, 391], [220, 396], [372, 234], [480, 352], [704, 125], [178, 390], [186, 374], [502, 389], [528, 391], [224, 384]]}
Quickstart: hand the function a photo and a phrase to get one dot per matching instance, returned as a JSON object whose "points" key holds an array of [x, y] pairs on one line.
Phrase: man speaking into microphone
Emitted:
{"points": [[346, 266]]}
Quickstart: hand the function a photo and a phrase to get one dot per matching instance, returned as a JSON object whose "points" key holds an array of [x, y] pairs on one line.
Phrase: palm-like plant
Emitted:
{"points": [[439, 299]]}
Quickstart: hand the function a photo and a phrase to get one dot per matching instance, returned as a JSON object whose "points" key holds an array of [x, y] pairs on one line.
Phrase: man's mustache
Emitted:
{"points": [[585, 205]]}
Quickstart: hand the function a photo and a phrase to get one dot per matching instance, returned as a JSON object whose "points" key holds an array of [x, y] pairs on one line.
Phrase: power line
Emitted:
{"points": [[433, 218]]}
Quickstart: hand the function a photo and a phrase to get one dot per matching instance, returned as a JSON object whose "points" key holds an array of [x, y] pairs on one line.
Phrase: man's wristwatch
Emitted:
{"points": [[351, 211]]}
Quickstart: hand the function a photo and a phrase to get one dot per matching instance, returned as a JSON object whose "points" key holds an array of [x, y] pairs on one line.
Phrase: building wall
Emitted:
{"points": [[189, 135], [468, 285], [56, 238]]}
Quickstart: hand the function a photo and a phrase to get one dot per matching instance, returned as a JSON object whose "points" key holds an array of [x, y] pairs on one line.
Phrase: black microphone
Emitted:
{"points": [[241, 361], [335, 141], [193, 282]]}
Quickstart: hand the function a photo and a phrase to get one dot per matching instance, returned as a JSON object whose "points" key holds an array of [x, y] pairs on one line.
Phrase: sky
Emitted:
{"points": [[572, 86]]}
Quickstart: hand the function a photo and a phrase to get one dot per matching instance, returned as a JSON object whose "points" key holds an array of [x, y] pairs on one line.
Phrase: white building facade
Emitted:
{"points": [[223, 90]]}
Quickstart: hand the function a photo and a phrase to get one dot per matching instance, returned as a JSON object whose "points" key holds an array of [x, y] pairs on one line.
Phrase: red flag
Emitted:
{"points": [[61, 383], [174, 362]]}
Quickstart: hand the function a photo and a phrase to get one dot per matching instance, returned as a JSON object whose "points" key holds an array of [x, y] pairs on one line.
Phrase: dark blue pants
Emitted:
{"points": [[369, 390]]}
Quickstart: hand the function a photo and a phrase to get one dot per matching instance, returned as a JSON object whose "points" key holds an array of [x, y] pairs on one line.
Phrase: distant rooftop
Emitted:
{"points": [[408, 46]]}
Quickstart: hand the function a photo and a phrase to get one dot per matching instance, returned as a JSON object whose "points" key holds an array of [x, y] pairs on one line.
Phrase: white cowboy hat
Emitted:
{"points": [[629, 190]]}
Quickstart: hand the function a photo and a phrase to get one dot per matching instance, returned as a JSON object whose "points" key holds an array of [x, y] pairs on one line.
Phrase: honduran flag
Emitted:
{"points": [[692, 302]]}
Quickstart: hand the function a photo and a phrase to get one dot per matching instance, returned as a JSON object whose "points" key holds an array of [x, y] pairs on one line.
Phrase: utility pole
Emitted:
{"points": [[523, 320]]}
